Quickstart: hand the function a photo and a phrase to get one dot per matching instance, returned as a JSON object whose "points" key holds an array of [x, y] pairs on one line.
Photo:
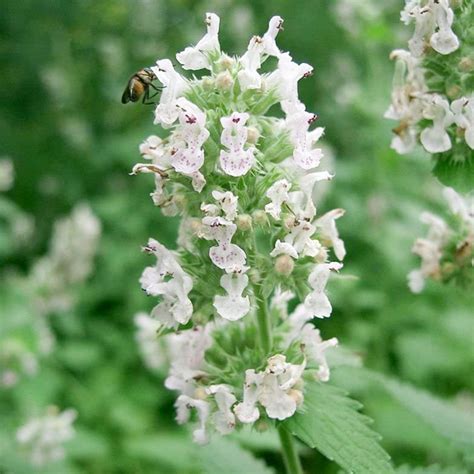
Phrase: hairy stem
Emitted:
{"points": [[263, 320], [290, 456]]}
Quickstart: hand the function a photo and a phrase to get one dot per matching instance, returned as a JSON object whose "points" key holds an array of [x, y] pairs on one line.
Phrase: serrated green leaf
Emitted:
{"points": [[331, 423], [454, 424], [223, 455], [434, 469]]}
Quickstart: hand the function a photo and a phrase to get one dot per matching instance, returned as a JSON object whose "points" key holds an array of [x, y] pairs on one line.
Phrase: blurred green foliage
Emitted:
{"points": [[63, 68]]}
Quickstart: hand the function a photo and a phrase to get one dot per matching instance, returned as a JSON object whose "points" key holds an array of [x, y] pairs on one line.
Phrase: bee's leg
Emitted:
{"points": [[146, 98], [157, 89]]}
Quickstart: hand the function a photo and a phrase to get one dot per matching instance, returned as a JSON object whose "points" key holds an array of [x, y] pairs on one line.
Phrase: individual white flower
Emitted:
{"points": [[430, 254], [304, 154], [225, 255], [184, 404], [227, 202], [407, 105], [301, 202], [326, 225], [258, 49], [317, 302], [435, 139], [275, 25], [198, 181], [299, 237], [278, 194], [443, 41], [438, 231], [247, 411], [424, 25], [43, 437], [314, 348], [153, 149], [236, 160], [186, 352], [276, 392], [285, 78], [168, 280], [224, 418], [196, 57], [463, 208], [429, 249], [146, 337], [189, 158], [463, 110], [233, 306], [274, 389], [174, 86], [284, 248]]}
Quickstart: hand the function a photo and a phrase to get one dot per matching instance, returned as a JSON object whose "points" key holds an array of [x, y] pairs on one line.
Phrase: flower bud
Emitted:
{"points": [[208, 83], [322, 255], [284, 265], [225, 62], [260, 218], [253, 135], [447, 269], [200, 393], [466, 64], [261, 426], [224, 81], [244, 222], [195, 226], [454, 91], [254, 276], [180, 201]]}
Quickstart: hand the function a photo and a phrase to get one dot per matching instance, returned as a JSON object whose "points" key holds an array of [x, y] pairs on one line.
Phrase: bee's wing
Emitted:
{"points": [[126, 96]]}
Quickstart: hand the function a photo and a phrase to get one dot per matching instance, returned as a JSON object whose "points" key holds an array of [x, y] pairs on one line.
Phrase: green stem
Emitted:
{"points": [[290, 456], [263, 320]]}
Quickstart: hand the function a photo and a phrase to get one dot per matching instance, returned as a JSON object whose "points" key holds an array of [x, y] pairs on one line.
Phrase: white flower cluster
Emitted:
{"points": [[424, 112], [44, 437], [446, 249], [276, 391], [238, 177], [69, 260]]}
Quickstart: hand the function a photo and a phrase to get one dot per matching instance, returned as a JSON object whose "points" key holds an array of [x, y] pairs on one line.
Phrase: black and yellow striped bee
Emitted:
{"points": [[139, 86]]}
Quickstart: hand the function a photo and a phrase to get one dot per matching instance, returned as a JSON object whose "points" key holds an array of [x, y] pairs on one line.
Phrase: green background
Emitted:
{"points": [[63, 66]]}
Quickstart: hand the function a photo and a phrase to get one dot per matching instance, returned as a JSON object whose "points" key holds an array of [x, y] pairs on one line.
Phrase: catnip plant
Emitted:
{"points": [[254, 254], [433, 88], [433, 100]]}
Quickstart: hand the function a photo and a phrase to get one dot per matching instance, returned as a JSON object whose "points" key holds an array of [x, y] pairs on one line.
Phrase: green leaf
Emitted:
{"points": [[174, 451], [434, 469], [222, 455], [331, 423], [450, 422]]}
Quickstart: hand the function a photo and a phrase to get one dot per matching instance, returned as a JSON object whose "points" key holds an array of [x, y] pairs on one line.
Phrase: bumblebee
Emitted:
{"points": [[139, 86]]}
